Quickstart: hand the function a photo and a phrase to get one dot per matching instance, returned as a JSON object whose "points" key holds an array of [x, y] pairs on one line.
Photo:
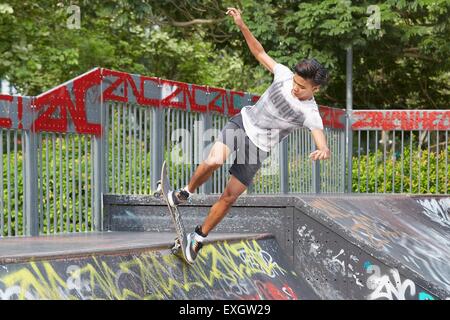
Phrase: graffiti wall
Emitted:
{"points": [[374, 247], [225, 270], [339, 270]]}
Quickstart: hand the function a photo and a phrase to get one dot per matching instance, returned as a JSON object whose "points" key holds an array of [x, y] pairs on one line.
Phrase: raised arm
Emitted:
{"points": [[255, 47]]}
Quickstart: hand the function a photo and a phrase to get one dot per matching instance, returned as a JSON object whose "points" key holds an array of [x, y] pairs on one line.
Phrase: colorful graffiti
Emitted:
{"points": [[239, 270], [76, 105], [342, 264]]}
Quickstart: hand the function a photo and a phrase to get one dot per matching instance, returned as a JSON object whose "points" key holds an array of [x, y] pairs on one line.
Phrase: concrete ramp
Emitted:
{"points": [[138, 265], [374, 247], [343, 246], [267, 247]]}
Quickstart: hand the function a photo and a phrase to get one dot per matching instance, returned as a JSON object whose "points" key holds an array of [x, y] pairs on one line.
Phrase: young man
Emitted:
{"points": [[286, 105]]}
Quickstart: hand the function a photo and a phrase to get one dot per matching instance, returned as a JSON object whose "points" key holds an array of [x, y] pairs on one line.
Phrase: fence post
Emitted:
{"points": [[316, 176], [31, 185], [316, 173], [348, 117], [205, 124], [342, 147], [99, 167], [158, 148], [98, 181], [284, 177]]}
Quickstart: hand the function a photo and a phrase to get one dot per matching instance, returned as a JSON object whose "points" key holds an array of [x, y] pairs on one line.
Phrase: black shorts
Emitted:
{"points": [[248, 157]]}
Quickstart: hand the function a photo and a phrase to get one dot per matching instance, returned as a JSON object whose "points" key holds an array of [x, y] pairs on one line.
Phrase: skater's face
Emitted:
{"points": [[303, 89]]}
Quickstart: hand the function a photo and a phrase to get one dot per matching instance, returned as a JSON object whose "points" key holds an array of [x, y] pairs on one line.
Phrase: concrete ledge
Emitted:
{"points": [[54, 247], [202, 200], [250, 214]]}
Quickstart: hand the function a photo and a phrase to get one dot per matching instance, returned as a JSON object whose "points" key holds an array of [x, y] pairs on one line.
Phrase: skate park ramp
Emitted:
{"points": [[267, 247], [342, 246], [375, 247], [139, 265]]}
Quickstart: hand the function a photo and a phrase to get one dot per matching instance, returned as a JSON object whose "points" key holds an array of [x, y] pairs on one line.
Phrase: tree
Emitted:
{"points": [[403, 65], [38, 51]]}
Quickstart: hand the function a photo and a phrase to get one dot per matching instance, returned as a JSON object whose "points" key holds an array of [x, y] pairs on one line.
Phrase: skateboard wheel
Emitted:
{"points": [[158, 188], [157, 194], [175, 247]]}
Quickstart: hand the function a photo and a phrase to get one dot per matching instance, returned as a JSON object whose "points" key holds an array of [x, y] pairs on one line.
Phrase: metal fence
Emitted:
{"points": [[64, 178], [11, 187], [109, 132], [402, 161]]}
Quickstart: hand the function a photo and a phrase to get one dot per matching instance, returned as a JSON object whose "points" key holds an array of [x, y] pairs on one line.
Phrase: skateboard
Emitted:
{"points": [[162, 190]]}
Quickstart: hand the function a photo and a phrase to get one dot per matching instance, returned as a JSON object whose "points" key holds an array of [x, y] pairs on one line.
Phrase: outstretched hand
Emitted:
{"points": [[236, 14], [320, 155]]}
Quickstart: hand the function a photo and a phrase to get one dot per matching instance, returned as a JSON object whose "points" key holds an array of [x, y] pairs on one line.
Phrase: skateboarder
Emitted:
{"points": [[286, 105]]}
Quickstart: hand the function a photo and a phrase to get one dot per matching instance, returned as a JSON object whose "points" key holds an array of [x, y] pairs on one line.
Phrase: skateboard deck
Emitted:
{"points": [[163, 189]]}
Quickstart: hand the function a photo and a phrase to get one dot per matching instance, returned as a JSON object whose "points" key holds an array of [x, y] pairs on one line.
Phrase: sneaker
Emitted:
{"points": [[193, 245], [178, 196]]}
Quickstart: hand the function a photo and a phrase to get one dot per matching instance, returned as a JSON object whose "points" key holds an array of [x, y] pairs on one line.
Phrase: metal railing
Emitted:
{"points": [[11, 187], [109, 132], [64, 177], [401, 152]]}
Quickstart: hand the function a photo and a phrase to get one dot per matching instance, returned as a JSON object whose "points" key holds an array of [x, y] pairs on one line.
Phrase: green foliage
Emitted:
{"points": [[64, 189], [408, 174], [38, 51], [15, 218], [402, 65]]}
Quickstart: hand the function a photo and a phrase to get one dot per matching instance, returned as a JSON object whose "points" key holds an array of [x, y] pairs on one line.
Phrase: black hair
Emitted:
{"points": [[311, 69]]}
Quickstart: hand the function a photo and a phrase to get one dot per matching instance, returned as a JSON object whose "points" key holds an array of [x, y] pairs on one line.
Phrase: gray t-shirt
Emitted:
{"points": [[277, 113]]}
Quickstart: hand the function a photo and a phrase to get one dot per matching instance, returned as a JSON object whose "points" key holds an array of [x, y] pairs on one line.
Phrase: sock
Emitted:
{"points": [[186, 189], [199, 235]]}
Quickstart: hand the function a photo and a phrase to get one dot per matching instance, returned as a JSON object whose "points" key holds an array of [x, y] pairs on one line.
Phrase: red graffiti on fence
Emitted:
{"points": [[232, 110], [332, 117], [59, 99], [7, 122], [53, 109], [194, 105], [173, 94], [401, 120]]}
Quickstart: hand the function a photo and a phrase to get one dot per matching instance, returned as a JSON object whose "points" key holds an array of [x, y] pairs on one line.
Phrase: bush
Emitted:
{"points": [[373, 175]]}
